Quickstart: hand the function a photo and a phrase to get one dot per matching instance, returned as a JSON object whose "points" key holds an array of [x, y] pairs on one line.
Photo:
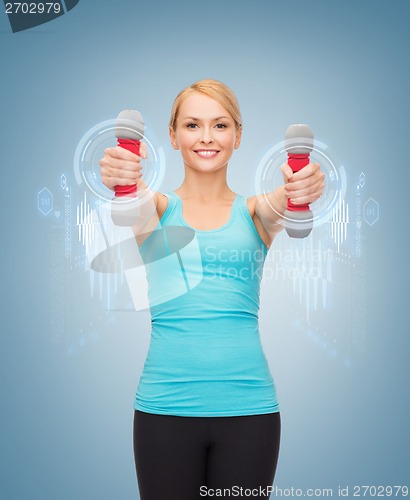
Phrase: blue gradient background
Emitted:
{"points": [[342, 67]]}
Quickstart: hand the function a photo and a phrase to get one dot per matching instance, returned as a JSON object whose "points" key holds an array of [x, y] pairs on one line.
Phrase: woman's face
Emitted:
{"points": [[205, 133]]}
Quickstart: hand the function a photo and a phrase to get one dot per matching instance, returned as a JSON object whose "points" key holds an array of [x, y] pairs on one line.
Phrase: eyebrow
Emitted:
{"points": [[198, 119]]}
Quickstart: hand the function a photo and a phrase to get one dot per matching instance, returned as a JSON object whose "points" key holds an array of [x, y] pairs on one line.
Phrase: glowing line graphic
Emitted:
{"points": [[340, 220]]}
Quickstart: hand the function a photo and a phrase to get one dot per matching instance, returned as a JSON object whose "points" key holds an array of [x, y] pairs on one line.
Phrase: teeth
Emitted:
{"points": [[207, 153]]}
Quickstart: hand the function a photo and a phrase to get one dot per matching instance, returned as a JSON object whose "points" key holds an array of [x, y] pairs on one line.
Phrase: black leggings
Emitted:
{"points": [[189, 458]]}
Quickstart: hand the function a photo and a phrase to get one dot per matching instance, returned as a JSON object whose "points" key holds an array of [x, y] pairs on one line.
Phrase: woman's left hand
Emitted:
{"points": [[305, 186]]}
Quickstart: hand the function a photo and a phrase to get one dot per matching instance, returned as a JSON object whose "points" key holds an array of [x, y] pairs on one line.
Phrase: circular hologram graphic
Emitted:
{"points": [[90, 150], [269, 177]]}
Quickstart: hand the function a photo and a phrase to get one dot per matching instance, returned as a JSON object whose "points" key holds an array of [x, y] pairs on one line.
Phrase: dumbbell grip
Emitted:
{"points": [[131, 189], [296, 162]]}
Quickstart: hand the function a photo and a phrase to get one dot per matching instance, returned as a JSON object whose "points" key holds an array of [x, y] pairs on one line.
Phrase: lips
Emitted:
{"points": [[206, 153]]}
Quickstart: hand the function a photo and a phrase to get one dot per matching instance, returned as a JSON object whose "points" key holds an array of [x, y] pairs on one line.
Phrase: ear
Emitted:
{"points": [[238, 137], [173, 138]]}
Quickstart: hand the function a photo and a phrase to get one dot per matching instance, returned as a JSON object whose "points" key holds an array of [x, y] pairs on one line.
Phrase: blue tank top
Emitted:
{"points": [[205, 356]]}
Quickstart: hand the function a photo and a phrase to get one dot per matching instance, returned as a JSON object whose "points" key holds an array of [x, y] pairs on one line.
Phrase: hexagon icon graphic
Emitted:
{"points": [[45, 201], [371, 211]]}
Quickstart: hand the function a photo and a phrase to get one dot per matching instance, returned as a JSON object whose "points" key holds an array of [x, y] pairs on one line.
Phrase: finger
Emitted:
{"points": [[302, 200], [120, 164], [307, 171], [121, 153], [115, 172], [287, 172], [307, 196], [311, 190], [307, 182], [120, 181], [143, 150]]}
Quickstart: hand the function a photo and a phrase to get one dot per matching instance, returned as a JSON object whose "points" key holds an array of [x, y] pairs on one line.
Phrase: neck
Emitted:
{"points": [[206, 186]]}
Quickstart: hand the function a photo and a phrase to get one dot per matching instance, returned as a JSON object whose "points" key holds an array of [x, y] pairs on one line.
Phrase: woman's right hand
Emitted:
{"points": [[120, 167]]}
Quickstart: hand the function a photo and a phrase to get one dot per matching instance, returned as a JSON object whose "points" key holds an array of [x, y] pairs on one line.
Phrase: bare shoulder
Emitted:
{"points": [[162, 204], [265, 236], [251, 202]]}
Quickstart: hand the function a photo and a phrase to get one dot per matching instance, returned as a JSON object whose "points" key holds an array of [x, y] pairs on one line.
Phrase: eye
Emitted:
{"points": [[191, 125], [221, 125]]}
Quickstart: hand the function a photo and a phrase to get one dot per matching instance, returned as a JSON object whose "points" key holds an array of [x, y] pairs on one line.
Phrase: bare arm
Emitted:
{"points": [[150, 214], [269, 209]]}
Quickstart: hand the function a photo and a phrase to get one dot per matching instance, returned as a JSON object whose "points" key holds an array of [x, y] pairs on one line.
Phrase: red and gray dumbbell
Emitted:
{"points": [[298, 145], [129, 130]]}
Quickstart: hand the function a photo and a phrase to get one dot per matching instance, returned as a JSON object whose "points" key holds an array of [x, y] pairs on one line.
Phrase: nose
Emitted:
{"points": [[206, 136]]}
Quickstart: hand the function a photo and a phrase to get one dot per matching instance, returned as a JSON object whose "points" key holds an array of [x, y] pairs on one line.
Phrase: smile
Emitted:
{"points": [[206, 153]]}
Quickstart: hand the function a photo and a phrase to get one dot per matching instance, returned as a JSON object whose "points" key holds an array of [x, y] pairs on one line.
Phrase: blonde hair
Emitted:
{"points": [[214, 89]]}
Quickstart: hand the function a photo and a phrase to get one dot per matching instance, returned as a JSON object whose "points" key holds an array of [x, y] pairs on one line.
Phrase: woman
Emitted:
{"points": [[206, 413]]}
